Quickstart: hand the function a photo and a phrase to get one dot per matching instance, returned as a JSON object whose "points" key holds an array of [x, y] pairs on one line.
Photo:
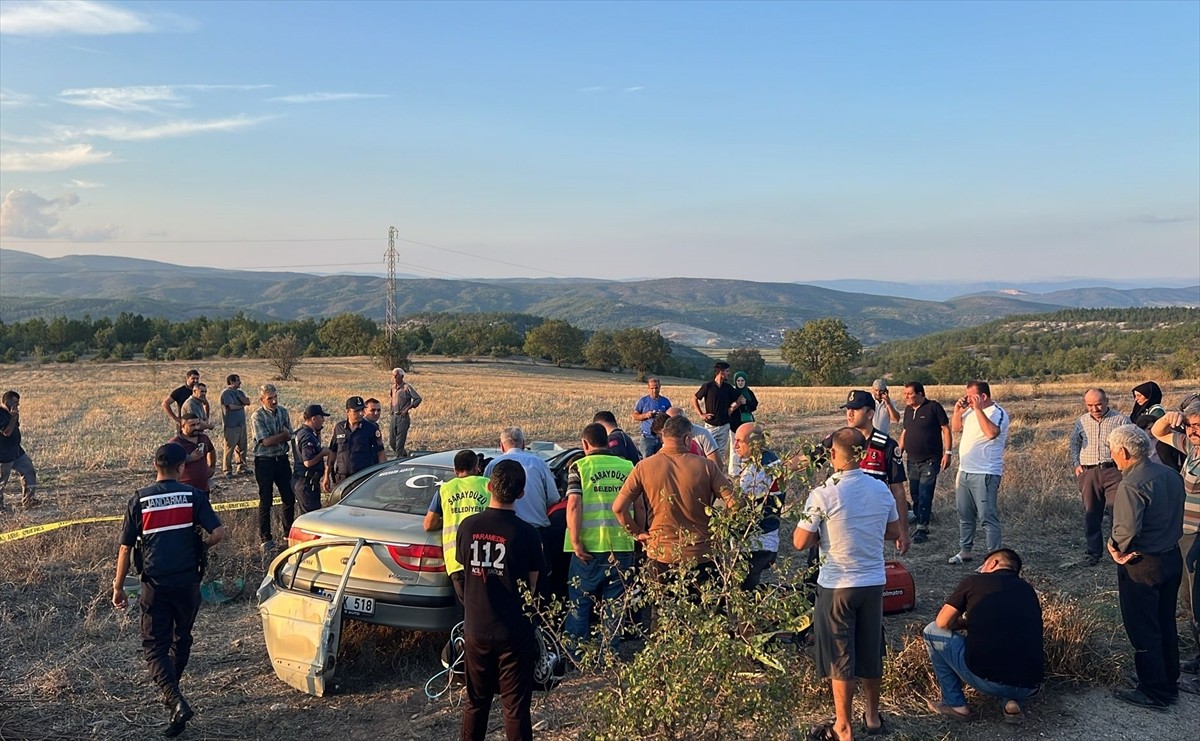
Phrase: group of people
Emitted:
{"points": [[169, 526], [285, 458], [646, 503]]}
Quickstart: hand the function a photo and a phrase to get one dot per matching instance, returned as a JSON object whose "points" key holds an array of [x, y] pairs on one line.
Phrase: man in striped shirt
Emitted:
{"points": [[1095, 472]]}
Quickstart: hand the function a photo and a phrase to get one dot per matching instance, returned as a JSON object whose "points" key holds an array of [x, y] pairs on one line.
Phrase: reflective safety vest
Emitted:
{"points": [[461, 497], [601, 477]]}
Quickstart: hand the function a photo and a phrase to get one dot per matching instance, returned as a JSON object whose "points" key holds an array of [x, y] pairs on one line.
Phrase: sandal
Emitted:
{"points": [[1014, 719], [960, 558], [879, 730], [946, 711]]}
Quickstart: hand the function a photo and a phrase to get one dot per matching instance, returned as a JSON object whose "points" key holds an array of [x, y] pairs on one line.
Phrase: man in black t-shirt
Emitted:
{"points": [[1001, 654], [501, 555], [719, 400], [181, 395], [927, 440]]}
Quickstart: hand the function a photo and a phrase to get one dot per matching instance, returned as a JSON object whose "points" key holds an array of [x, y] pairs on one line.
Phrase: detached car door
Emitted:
{"points": [[303, 629]]}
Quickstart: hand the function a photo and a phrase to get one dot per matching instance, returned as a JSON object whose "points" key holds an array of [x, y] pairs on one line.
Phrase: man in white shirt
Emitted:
{"points": [[885, 411], [849, 517], [982, 429]]}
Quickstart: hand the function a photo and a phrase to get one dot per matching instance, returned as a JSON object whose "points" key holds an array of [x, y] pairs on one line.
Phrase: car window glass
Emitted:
{"points": [[404, 489]]}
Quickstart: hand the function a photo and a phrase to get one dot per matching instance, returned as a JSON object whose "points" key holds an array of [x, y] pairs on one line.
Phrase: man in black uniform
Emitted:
{"points": [[164, 522], [312, 463], [357, 442], [499, 551]]}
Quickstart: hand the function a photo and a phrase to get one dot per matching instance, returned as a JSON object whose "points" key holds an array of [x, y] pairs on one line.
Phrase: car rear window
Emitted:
{"points": [[406, 489]]}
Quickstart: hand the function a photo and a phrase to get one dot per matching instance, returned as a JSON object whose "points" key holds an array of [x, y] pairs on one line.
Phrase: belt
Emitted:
{"points": [[1105, 464], [269, 457]]}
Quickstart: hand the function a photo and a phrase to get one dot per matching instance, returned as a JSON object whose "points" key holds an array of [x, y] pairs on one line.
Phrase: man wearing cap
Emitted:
{"points": [[885, 411], [201, 462], [404, 398], [163, 522], [461, 497], [357, 443], [643, 412], [714, 402], [270, 432], [1095, 471], [881, 458], [312, 463]]}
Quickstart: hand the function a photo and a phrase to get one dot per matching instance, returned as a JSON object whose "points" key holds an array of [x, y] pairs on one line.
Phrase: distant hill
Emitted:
{"points": [[1050, 290], [716, 312], [1099, 297]]}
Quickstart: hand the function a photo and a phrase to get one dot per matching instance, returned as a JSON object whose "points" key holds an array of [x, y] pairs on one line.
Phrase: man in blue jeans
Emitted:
{"points": [[1001, 654], [926, 440], [602, 549], [982, 429]]}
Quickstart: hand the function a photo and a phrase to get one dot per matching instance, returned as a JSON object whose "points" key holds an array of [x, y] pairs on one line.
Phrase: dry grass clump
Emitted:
{"points": [[1079, 642]]}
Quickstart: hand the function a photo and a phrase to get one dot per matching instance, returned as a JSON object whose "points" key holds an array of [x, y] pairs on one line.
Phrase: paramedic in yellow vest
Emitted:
{"points": [[462, 496], [603, 550]]}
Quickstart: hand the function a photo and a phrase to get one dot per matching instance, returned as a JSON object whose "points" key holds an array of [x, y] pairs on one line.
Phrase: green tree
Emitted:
{"points": [[555, 340], [958, 367], [643, 350], [348, 334], [393, 352], [749, 360], [601, 351], [822, 351]]}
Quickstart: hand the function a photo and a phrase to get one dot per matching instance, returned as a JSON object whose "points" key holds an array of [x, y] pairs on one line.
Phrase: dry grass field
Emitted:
{"points": [[70, 665]]}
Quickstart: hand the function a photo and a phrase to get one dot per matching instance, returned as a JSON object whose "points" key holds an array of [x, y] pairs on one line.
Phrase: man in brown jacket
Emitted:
{"points": [[676, 487]]}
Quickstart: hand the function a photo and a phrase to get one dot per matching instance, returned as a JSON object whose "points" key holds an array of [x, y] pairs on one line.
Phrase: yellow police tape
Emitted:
{"points": [[27, 532]]}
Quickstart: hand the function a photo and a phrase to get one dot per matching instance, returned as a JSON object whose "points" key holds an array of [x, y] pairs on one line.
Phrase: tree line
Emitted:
{"points": [[285, 342], [820, 352]]}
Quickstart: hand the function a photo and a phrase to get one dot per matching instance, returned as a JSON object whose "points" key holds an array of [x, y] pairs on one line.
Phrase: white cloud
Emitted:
{"points": [[12, 99], [84, 184], [324, 97], [593, 89], [54, 160], [166, 130], [125, 99], [1153, 219], [54, 17], [635, 88], [26, 215]]}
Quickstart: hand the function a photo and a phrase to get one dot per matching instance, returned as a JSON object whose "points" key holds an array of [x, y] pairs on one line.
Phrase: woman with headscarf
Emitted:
{"points": [[1147, 408], [741, 413]]}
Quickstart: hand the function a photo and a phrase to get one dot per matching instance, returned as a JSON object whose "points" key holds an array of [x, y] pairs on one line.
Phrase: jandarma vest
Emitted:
{"points": [[461, 497], [601, 477], [168, 537]]}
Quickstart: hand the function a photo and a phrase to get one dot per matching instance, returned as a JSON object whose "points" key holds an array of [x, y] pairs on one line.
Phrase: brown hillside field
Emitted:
{"points": [[70, 664]]}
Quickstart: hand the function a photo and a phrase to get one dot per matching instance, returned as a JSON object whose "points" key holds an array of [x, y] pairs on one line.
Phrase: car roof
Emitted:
{"points": [[544, 450]]}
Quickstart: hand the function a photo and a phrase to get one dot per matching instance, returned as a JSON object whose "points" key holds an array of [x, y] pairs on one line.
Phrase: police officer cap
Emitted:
{"points": [[356, 402], [858, 400], [315, 410], [169, 455]]}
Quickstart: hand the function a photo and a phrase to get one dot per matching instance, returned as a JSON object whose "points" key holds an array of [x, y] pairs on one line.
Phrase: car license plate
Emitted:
{"points": [[356, 605], [352, 604]]}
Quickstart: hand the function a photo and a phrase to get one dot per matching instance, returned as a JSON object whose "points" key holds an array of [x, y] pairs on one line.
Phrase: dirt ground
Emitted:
{"points": [[70, 666]]}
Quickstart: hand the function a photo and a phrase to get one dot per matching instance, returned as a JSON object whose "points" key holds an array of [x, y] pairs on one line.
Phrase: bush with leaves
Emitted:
{"points": [[718, 655]]}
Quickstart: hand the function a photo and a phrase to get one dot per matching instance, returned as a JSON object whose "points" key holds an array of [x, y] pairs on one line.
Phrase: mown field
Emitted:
{"points": [[70, 664]]}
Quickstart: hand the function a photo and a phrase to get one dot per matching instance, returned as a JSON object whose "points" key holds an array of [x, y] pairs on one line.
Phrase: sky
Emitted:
{"points": [[778, 141]]}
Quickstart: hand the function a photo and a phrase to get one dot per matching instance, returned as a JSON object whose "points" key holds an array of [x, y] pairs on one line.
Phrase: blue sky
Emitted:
{"points": [[765, 141]]}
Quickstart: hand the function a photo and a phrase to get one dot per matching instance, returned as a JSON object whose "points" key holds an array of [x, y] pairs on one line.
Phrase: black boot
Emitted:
{"points": [[179, 713]]}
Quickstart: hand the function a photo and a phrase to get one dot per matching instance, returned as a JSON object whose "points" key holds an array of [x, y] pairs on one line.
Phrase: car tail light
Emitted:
{"points": [[417, 557], [296, 535]]}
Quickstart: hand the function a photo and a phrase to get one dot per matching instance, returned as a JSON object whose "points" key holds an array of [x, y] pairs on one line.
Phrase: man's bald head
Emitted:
{"points": [[848, 443]]}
